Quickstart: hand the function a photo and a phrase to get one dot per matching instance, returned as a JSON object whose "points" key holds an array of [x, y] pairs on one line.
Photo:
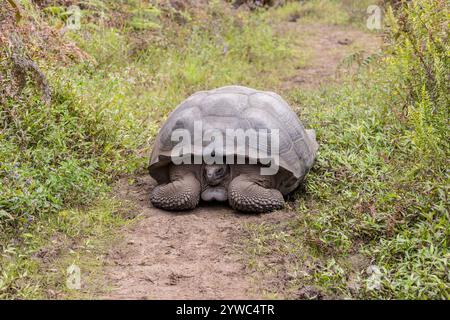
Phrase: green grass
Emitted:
{"points": [[34, 264], [377, 197], [368, 194]]}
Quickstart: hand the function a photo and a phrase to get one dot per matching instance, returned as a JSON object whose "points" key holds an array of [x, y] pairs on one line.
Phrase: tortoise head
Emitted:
{"points": [[215, 173]]}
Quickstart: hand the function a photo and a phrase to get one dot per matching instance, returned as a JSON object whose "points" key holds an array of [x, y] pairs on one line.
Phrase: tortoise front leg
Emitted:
{"points": [[181, 193], [251, 194]]}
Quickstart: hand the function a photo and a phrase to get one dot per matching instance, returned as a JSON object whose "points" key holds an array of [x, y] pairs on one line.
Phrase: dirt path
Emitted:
{"points": [[327, 46], [190, 255], [195, 255]]}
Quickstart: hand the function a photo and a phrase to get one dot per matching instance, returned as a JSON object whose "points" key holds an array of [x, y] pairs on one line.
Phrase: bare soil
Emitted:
{"points": [[188, 255], [327, 47], [196, 254]]}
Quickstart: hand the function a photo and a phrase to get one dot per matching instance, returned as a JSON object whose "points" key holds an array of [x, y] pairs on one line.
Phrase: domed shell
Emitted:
{"points": [[237, 107]]}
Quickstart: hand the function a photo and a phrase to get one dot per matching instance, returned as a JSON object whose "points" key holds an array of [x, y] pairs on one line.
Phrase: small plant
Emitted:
{"points": [[419, 60]]}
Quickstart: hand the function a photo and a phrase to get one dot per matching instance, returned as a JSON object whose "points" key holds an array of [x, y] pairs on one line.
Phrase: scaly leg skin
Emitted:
{"points": [[182, 193], [251, 193]]}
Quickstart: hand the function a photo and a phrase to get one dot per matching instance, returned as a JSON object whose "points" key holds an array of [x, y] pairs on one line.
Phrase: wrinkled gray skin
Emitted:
{"points": [[180, 187]]}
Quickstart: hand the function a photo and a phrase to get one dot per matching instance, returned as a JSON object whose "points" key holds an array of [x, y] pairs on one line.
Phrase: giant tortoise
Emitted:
{"points": [[235, 175]]}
